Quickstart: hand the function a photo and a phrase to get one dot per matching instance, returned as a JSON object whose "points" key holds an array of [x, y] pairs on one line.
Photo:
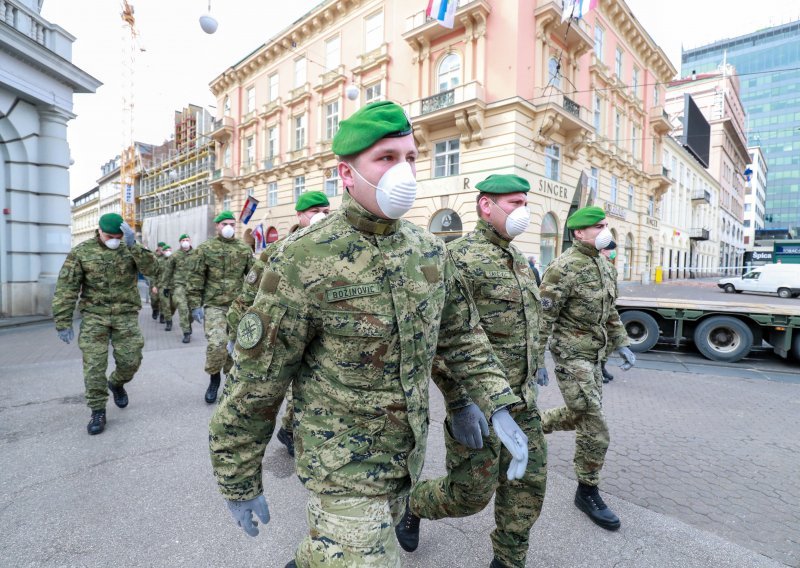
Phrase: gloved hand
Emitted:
{"points": [[542, 378], [198, 315], [467, 425], [628, 356], [515, 441], [242, 512], [66, 335], [166, 292], [127, 234], [231, 343]]}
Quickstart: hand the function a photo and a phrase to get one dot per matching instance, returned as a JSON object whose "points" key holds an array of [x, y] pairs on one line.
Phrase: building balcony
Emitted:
{"points": [[659, 120], [372, 59], [573, 33], [270, 108], [419, 27], [462, 105], [222, 180], [299, 95], [698, 234], [564, 117], [660, 175], [701, 197], [222, 131]]}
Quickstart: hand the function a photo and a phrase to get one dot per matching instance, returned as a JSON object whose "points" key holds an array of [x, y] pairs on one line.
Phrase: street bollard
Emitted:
{"points": [[659, 274]]}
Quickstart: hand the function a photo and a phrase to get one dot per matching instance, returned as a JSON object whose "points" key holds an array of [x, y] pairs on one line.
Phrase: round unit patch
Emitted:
{"points": [[547, 303], [252, 276], [250, 330]]}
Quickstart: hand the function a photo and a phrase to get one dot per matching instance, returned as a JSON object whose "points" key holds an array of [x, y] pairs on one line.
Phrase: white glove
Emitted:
{"points": [[515, 441]]}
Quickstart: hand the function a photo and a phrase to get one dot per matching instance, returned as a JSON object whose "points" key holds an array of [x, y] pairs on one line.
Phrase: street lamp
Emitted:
{"points": [[208, 22]]}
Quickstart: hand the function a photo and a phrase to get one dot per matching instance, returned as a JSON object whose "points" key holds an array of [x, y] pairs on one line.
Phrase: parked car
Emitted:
{"points": [[780, 279]]}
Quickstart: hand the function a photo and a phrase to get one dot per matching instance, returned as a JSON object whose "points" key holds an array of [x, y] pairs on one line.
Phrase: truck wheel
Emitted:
{"points": [[730, 288], [784, 293], [723, 338], [642, 330]]}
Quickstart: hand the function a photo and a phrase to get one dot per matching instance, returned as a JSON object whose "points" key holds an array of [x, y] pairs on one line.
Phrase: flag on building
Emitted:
{"points": [[249, 208], [577, 8], [258, 235], [444, 11]]}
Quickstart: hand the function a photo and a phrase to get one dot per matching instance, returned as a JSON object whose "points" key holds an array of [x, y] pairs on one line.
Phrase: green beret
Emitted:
{"points": [[311, 199], [162, 244], [183, 236], [110, 223], [503, 183], [586, 217], [166, 247], [369, 124], [224, 216]]}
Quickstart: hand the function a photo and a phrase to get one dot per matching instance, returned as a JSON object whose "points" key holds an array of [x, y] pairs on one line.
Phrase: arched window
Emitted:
{"points": [[628, 256], [548, 247], [553, 73], [449, 74], [446, 224], [226, 106]]}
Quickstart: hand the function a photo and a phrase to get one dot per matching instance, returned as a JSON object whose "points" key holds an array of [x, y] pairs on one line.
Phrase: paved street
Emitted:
{"points": [[703, 470]]}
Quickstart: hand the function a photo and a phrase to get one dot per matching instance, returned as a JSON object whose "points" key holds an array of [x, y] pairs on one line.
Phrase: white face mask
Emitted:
{"points": [[603, 239], [316, 218], [517, 221], [228, 231], [396, 190], [167, 252], [113, 244], [186, 245]]}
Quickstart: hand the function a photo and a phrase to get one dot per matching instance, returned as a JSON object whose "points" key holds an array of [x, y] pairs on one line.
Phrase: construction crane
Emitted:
{"points": [[128, 156]]}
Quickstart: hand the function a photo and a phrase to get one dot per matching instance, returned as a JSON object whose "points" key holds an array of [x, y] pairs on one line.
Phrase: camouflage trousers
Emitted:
{"points": [[123, 333], [154, 297], [581, 384], [216, 328], [166, 302], [181, 303], [473, 476], [350, 531]]}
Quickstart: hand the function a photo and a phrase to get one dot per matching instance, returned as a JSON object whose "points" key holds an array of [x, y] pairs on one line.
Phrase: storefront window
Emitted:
{"points": [[446, 225], [548, 249]]}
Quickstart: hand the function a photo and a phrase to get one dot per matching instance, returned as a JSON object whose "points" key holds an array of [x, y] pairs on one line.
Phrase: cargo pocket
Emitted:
{"points": [[359, 340]]}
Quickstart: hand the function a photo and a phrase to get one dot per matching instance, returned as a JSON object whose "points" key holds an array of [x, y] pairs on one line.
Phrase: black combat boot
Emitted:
{"points": [[497, 564], [168, 326], [97, 423], [186, 337], [155, 313], [606, 375], [160, 318], [120, 396], [285, 437], [213, 387], [407, 530], [588, 500], [291, 565]]}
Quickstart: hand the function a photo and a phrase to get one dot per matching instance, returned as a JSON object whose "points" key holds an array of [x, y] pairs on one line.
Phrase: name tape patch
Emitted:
{"points": [[352, 291], [499, 274]]}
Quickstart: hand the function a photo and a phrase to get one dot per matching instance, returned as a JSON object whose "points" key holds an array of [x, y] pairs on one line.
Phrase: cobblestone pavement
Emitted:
{"points": [[720, 454]]}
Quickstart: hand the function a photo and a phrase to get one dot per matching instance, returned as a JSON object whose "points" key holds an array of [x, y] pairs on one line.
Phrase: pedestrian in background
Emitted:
{"points": [[534, 270], [578, 294], [219, 267], [312, 206], [152, 289], [182, 261], [166, 303], [101, 275]]}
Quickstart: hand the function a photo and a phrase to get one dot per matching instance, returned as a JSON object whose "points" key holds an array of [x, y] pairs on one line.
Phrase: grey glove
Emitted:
{"points": [[469, 425], [127, 234], [628, 356], [231, 343], [242, 512], [515, 441], [198, 315], [66, 335], [165, 292], [542, 378]]}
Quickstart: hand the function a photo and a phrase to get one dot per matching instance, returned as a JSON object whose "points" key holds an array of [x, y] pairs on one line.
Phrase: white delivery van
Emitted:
{"points": [[781, 279]]}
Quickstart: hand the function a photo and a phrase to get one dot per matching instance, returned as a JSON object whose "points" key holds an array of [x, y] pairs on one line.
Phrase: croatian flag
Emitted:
{"points": [[258, 235], [577, 8], [442, 10], [249, 208]]}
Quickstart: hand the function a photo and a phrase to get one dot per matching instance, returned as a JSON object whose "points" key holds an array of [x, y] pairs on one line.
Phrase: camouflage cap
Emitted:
{"points": [[369, 124], [586, 217], [111, 223], [503, 183], [224, 216], [311, 199]]}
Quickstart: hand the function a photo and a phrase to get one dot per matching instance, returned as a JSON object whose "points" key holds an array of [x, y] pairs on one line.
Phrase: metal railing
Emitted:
{"points": [[572, 107], [698, 234], [701, 195], [438, 101]]}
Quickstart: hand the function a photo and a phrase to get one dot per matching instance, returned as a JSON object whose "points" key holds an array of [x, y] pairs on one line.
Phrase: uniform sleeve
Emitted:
{"points": [[617, 335], [146, 261], [196, 279], [465, 351], [68, 287], [266, 359], [245, 298], [553, 292]]}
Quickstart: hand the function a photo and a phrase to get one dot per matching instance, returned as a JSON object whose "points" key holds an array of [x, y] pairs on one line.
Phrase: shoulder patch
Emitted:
{"points": [[270, 281], [431, 273], [249, 331], [547, 303], [252, 276]]}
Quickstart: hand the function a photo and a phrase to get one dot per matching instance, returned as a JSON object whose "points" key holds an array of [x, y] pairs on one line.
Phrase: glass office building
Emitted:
{"points": [[768, 64]]}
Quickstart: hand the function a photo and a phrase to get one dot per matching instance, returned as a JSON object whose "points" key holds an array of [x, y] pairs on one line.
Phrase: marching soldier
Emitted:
{"points": [[101, 274], [351, 311], [182, 261], [503, 287], [578, 295]]}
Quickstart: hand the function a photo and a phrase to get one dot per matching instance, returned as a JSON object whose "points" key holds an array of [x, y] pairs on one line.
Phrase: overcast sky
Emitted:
{"points": [[180, 60]]}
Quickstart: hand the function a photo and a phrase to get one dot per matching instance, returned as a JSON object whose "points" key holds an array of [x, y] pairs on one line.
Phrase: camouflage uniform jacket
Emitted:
{"points": [[219, 267], [578, 297], [182, 266], [505, 293], [353, 309], [166, 273], [247, 295], [104, 279]]}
